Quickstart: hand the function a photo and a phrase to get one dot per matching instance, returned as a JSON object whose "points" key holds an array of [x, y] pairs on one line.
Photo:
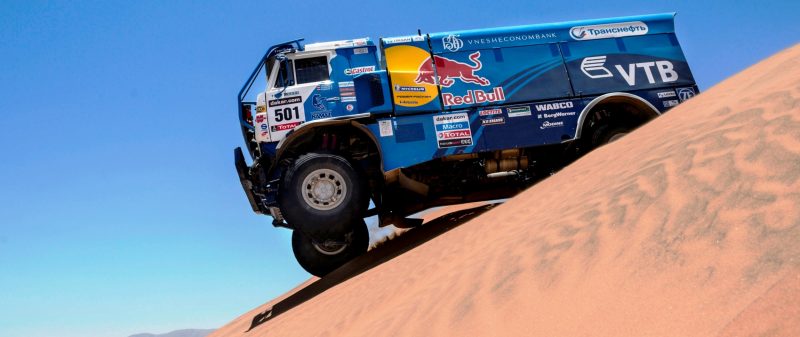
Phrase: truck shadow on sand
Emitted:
{"points": [[383, 253]]}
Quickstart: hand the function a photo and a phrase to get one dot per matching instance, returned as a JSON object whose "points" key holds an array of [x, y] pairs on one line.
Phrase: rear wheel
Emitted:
{"points": [[322, 257], [322, 194], [608, 133]]}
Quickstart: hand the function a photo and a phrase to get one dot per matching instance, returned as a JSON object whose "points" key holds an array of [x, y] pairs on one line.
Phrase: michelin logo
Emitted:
{"points": [[621, 29], [398, 87]]}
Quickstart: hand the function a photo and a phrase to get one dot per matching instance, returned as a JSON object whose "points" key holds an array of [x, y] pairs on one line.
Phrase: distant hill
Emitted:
{"points": [[179, 333]]}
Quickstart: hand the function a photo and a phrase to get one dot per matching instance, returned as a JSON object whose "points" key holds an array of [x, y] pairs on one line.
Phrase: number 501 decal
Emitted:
{"points": [[287, 114]]}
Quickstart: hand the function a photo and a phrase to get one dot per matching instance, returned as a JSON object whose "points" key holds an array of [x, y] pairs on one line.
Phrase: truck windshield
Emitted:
{"points": [[285, 76]]}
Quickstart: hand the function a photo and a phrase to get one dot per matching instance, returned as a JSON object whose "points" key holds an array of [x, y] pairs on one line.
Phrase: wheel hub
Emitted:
{"points": [[330, 247], [324, 189], [617, 136]]}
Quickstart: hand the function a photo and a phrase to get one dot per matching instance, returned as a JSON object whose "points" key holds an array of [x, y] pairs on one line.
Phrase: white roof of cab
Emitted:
{"points": [[363, 42]]}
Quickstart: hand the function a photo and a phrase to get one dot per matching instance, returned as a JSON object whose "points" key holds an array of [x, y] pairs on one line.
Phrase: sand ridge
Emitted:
{"points": [[687, 227]]}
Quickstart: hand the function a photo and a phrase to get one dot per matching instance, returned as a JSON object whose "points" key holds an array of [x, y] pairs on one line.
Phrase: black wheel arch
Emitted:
{"points": [[628, 109]]}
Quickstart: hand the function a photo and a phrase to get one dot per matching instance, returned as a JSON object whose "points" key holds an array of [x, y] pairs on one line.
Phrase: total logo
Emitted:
{"points": [[608, 30], [454, 134], [594, 67], [452, 43], [284, 127]]}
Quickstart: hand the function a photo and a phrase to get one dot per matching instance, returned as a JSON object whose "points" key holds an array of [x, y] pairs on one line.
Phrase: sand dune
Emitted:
{"points": [[689, 226]]}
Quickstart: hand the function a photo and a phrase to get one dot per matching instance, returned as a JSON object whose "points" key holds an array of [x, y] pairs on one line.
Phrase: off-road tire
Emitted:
{"points": [[317, 216], [320, 260], [607, 133]]}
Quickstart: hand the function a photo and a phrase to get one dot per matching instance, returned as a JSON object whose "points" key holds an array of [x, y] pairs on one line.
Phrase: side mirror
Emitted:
{"points": [[281, 81]]}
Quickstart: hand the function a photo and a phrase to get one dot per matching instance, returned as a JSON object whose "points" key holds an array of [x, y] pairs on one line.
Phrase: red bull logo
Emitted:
{"points": [[447, 70], [474, 97]]}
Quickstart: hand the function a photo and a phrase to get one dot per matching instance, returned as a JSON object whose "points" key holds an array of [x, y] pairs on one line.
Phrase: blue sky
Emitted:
{"points": [[120, 211]]}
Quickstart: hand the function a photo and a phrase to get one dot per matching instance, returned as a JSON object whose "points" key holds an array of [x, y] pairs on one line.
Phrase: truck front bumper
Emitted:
{"points": [[247, 183], [261, 196]]}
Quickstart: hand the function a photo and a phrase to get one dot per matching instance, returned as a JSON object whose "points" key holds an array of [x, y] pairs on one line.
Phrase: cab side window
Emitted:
{"points": [[312, 69], [285, 75]]}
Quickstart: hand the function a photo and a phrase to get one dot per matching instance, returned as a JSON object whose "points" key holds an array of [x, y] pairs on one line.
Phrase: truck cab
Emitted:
{"points": [[310, 83]]}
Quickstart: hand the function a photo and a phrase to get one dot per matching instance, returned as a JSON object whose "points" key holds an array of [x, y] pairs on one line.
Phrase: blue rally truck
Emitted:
{"points": [[418, 121]]}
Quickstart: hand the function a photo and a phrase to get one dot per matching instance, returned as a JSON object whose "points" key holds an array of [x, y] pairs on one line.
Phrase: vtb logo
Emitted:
{"points": [[447, 70], [594, 68]]}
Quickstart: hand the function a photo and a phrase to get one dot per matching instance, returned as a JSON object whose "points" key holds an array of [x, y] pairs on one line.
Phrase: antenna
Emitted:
{"points": [[419, 32]]}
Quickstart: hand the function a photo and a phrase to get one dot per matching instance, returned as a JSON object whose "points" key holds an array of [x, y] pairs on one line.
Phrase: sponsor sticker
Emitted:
{"points": [[671, 103], [404, 62], [512, 38], [347, 91], [452, 43], [493, 120], [448, 70], [393, 40], [518, 111], [260, 118], [549, 124], [285, 101], [318, 102], [321, 115], [408, 88], [666, 94], [349, 107], [286, 93], [603, 31], [452, 126], [554, 106], [489, 112], [595, 68], [476, 96], [358, 70], [557, 114], [263, 136], [452, 130], [284, 127], [385, 128], [359, 51], [685, 93], [261, 108]]}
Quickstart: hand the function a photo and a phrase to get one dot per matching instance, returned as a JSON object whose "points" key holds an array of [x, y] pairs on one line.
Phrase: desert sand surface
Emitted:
{"points": [[689, 226]]}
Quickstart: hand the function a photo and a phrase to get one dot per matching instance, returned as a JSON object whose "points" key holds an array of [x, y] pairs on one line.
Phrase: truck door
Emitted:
{"points": [[299, 91]]}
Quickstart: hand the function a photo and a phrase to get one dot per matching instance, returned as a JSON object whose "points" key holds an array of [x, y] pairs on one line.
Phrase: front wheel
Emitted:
{"points": [[321, 258], [322, 194]]}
